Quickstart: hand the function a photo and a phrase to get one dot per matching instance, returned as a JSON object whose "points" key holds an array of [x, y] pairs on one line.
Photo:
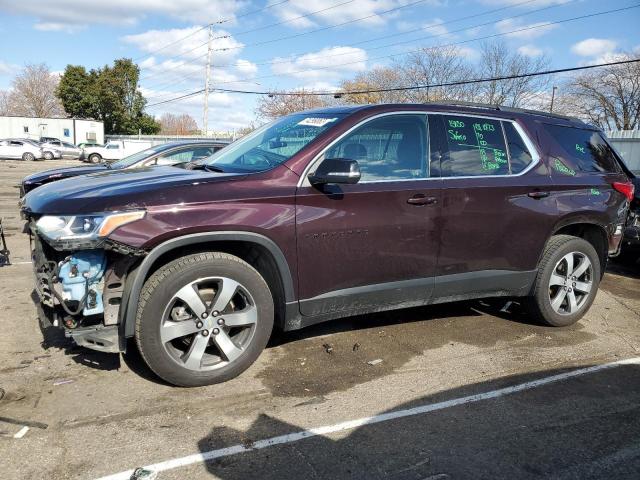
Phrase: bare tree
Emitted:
{"points": [[5, 102], [33, 93], [171, 124], [277, 105], [379, 78], [434, 66], [497, 60], [608, 97]]}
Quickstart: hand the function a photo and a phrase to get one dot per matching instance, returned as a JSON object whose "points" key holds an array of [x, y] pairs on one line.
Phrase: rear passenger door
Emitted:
{"points": [[496, 207]]}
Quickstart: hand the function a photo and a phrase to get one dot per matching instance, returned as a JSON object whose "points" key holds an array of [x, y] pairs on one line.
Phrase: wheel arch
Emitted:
{"points": [[593, 232], [258, 250]]}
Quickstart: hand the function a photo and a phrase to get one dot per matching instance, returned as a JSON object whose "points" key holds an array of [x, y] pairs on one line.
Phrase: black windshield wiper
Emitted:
{"points": [[213, 168], [201, 166]]}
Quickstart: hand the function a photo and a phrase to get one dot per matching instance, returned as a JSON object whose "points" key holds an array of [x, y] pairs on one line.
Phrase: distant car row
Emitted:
{"points": [[30, 150]]}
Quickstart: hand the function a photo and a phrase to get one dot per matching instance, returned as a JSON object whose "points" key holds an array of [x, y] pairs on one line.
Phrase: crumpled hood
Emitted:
{"points": [[61, 173], [123, 189]]}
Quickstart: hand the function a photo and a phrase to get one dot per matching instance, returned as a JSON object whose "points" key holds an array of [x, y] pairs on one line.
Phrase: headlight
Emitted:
{"points": [[84, 227]]}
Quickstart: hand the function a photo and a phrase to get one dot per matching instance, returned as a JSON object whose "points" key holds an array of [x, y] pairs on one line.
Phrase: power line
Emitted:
{"points": [[413, 87], [326, 27], [288, 20], [208, 25], [435, 85], [272, 62], [430, 27], [532, 27]]}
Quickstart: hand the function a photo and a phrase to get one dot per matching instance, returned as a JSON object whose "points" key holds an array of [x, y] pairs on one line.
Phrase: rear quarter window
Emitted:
{"points": [[583, 151]]}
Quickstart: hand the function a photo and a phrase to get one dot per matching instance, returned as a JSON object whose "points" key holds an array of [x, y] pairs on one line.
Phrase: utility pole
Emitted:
{"points": [[205, 117], [553, 97]]}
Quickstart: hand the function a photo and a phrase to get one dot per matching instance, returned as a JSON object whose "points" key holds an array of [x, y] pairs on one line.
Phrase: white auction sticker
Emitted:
{"points": [[316, 122]]}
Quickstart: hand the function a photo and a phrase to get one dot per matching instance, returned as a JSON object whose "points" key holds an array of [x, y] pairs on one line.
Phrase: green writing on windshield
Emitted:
{"points": [[580, 148], [456, 124], [562, 168], [595, 191]]}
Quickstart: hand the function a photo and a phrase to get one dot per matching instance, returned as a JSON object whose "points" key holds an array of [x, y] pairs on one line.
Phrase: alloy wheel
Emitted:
{"points": [[571, 283], [208, 323]]}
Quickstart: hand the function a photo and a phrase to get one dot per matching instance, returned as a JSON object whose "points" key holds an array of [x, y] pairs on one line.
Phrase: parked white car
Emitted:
{"points": [[22, 149], [66, 150], [113, 150]]}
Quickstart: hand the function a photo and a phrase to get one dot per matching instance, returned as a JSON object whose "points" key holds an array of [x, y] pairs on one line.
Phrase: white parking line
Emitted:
{"points": [[351, 424], [21, 433]]}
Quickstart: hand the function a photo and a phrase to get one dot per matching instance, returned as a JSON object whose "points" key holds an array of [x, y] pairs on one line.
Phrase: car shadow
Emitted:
{"points": [[624, 266], [501, 307], [586, 427]]}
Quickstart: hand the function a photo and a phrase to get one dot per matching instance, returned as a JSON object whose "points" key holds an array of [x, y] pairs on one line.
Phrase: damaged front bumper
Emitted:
{"points": [[81, 290]]}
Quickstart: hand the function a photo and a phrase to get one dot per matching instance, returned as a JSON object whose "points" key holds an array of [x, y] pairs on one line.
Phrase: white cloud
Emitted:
{"points": [[594, 47], [325, 14], [58, 27], [330, 60], [530, 51], [523, 31], [245, 67], [7, 68], [436, 28], [67, 15]]}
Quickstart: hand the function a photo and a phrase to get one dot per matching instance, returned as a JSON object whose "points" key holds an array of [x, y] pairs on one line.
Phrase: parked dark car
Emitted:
{"points": [[325, 214], [166, 154]]}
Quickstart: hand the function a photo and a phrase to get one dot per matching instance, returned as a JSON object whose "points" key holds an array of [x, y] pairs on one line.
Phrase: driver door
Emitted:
{"points": [[371, 244]]}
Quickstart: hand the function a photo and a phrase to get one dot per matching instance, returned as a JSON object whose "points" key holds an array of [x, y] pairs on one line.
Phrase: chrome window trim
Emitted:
{"points": [[304, 180]]}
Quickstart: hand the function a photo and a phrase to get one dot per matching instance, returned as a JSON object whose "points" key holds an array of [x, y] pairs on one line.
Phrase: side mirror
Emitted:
{"points": [[335, 170]]}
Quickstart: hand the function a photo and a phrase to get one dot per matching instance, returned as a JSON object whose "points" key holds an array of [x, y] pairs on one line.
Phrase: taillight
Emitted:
{"points": [[625, 188]]}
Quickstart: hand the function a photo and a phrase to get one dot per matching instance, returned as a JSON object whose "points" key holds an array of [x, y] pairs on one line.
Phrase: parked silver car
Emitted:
{"points": [[67, 150], [18, 148]]}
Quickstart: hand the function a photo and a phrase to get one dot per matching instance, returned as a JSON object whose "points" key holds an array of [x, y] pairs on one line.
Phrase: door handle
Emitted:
{"points": [[421, 199], [538, 194]]}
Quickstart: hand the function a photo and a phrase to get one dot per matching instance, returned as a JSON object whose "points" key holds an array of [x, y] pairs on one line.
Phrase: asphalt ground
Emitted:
{"points": [[463, 390]]}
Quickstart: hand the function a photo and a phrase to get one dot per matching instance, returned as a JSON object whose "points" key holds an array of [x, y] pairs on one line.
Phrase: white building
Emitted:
{"points": [[72, 130]]}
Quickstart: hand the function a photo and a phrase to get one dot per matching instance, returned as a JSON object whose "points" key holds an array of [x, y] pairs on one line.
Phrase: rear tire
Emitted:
{"points": [[191, 339], [48, 156], [95, 158], [28, 157], [567, 281]]}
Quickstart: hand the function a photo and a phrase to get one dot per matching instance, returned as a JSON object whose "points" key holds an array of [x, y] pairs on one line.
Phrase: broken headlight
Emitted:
{"points": [[83, 228]]}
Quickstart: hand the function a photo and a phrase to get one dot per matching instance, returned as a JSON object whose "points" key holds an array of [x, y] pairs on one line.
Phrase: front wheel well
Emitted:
{"points": [[594, 234], [256, 255]]}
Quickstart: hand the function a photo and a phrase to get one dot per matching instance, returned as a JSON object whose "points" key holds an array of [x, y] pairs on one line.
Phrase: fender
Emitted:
{"points": [[136, 277]]}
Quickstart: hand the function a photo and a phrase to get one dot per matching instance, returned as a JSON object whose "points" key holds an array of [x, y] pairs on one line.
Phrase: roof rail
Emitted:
{"points": [[503, 108]]}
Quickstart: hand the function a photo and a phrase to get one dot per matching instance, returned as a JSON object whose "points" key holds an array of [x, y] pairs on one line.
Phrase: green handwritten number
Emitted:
{"points": [[562, 168], [595, 191], [580, 148], [456, 124]]}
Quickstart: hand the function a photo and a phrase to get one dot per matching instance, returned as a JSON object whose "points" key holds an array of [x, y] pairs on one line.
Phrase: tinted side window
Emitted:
{"points": [[387, 148], [585, 150], [476, 147], [519, 154]]}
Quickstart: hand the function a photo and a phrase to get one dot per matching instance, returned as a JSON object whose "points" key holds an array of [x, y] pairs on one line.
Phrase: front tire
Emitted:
{"points": [[48, 156], [203, 319], [95, 158], [28, 157], [567, 281]]}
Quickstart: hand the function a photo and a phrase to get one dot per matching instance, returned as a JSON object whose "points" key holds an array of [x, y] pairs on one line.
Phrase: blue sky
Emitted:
{"points": [[92, 34]]}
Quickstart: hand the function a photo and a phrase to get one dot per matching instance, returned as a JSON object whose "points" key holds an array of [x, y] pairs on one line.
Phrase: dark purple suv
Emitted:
{"points": [[325, 214]]}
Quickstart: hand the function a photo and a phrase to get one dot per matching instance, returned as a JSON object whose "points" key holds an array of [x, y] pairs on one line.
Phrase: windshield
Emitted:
{"points": [[272, 144], [136, 157]]}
